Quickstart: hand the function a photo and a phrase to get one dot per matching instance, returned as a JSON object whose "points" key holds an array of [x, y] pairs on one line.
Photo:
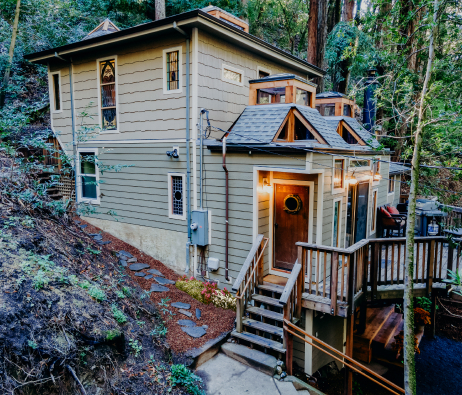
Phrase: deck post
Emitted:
{"points": [[450, 264], [376, 247], [334, 283], [349, 353], [430, 267], [288, 342], [239, 310], [363, 304], [300, 283], [352, 272], [260, 267]]}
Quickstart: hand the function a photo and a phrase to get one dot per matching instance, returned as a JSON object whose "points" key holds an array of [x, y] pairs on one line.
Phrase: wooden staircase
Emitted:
{"points": [[382, 325], [262, 321]]}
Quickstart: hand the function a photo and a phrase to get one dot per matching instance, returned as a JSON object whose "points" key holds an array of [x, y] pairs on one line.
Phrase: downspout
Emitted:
{"points": [[226, 208], [74, 140], [188, 143]]}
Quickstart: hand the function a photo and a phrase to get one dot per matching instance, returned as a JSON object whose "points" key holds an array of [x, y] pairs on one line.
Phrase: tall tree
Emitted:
{"points": [[160, 9], [6, 77], [410, 384], [348, 8]]}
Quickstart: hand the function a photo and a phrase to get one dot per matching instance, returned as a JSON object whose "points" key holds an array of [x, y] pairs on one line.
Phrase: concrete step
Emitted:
{"points": [[261, 326], [260, 341], [265, 363]]}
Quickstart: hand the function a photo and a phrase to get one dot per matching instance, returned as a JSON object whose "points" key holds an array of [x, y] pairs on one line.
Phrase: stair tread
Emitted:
{"points": [[266, 300], [265, 313], [261, 341], [398, 329], [375, 319], [388, 329], [261, 326], [271, 287]]}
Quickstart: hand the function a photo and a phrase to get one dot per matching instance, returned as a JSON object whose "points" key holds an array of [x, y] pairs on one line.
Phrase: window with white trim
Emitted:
{"points": [[176, 196], [232, 75], [56, 91], [336, 224], [391, 184], [173, 69], [339, 173], [107, 82], [88, 176]]}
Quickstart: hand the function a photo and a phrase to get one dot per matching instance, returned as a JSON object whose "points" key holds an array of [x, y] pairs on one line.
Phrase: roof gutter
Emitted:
{"points": [[188, 145]]}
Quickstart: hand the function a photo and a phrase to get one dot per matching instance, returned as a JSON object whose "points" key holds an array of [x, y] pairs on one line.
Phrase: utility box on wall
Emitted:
{"points": [[200, 227]]}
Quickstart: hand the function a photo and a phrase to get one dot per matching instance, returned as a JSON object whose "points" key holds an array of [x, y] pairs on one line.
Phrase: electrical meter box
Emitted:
{"points": [[200, 227]]}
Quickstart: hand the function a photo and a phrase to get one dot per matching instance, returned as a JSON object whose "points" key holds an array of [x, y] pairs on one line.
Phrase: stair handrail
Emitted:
{"points": [[290, 283], [349, 359]]}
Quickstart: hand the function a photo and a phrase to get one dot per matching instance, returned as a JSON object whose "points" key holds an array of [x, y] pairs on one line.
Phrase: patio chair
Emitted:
{"points": [[392, 222]]}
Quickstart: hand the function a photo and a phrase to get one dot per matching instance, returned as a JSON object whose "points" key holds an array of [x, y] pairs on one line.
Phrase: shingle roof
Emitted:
{"points": [[354, 124], [259, 124], [398, 168], [325, 95], [282, 76], [105, 27]]}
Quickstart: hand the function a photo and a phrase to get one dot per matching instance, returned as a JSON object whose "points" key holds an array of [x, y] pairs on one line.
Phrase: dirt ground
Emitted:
{"points": [[218, 320]]}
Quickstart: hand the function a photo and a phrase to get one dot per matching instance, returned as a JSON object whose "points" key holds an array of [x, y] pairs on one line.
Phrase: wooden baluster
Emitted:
{"points": [[392, 263], [430, 268], [310, 271], [333, 283], [423, 264], [342, 278], [299, 284], [350, 293], [374, 272], [398, 266], [324, 278], [386, 264], [317, 273], [450, 263], [416, 271], [379, 264], [440, 262], [288, 342]]}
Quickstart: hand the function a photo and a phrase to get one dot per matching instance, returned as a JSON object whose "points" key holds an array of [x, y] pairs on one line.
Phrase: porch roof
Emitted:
{"points": [[366, 136], [398, 168]]}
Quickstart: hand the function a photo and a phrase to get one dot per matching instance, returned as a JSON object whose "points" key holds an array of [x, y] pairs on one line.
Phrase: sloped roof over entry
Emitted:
{"points": [[259, 125], [354, 124]]}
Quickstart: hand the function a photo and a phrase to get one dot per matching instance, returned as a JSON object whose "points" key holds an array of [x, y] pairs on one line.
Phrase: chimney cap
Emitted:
{"points": [[371, 72]]}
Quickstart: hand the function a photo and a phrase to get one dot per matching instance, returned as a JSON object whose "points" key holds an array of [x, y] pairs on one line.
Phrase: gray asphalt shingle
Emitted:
{"points": [[354, 124]]}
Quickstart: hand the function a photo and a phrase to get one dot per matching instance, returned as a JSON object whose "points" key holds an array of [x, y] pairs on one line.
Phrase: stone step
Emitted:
{"points": [[261, 326], [261, 341], [267, 300], [265, 313]]}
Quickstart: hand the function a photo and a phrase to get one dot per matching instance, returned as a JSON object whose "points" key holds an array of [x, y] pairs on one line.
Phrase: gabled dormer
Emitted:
{"points": [[335, 104], [282, 88]]}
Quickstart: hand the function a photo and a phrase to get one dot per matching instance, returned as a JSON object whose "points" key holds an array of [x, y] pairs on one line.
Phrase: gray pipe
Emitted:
{"points": [[74, 142], [188, 143]]}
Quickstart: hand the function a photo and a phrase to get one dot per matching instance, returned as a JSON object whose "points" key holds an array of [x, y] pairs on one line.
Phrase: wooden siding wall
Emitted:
{"points": [[225, 100], [144, 111]]}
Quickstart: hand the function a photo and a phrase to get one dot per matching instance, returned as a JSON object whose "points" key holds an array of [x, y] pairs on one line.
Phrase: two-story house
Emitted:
{"points": [[270, 170]]}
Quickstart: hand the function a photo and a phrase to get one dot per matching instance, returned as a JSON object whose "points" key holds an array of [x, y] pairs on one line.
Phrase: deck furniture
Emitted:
{"points": [[390, 221]]}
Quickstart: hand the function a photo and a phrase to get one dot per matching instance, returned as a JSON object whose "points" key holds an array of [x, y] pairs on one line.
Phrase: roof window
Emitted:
{"points": [[296, 128]]}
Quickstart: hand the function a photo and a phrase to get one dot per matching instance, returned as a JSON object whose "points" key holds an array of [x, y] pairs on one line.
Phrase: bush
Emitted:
{"points": [[118, 314], [207, 293], [181, 375]]}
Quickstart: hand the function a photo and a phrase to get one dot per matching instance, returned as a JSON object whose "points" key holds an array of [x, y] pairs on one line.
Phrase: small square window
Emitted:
{"points": [[338, 173], [177, 196], [232, 75], [88, 176], [56, 92], [303, 97], [347, 110]]}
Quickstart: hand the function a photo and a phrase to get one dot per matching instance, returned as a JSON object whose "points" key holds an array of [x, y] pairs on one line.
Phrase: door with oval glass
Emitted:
{"points": [[291, 210]]}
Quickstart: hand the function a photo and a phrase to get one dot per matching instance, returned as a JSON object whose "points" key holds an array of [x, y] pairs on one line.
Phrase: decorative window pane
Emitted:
{"points": [[232, 75], [56, 92], [172, 70], [302, 97], [177, 195], [108, 95], [338, 173], [88, 179], [336, 223]]}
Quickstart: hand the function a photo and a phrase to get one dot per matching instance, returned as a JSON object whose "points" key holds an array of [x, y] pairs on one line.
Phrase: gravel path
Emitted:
{"points": [[439, 367]]}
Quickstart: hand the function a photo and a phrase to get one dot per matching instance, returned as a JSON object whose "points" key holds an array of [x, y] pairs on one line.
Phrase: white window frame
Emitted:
{"points": [[98, 87], [264, 69], [390, 176], [339, 226], [360, 168], [336, 191], [231, 68], [180, 70], [373, 223], [374, 182], [52, 92], [170, 197], [79, 182]]}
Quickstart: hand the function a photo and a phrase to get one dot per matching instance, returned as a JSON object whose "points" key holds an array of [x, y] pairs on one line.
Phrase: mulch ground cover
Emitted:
{"points": [[217, 320]]}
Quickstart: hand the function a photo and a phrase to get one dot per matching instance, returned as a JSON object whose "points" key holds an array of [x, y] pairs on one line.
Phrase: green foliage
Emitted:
{"points": [[94, 252], [181, 375], [118, 314], [159, 330], [136, 347], [425, 303], [120, 294], [97, 293], [112, 334], [32, 344], [127, 291]]}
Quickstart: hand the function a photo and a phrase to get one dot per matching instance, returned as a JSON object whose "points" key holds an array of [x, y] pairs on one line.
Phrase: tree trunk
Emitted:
{"points": [[160, 9], [317, 36], [313, 33], [348, 8], [322, 39], [409, 342], [6, 77], [334, 13]]}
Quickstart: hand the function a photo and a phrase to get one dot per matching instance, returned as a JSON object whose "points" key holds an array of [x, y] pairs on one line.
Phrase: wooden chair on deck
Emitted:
{"points": [[390, 220]]}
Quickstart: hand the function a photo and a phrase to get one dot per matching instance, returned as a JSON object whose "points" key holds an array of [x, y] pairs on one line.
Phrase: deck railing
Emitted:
{"points": [[454, 217], [249, 277]]}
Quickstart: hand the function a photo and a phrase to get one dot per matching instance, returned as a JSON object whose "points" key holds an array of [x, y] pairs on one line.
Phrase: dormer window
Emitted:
{"points": [[271, 95], [296, 128], [303, 97], [334, 104], [348, 134]]}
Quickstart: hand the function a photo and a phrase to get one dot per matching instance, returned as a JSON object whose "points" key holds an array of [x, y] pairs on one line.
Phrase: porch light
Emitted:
{"points": [[377, 177], [267, 187], [352, 180]]}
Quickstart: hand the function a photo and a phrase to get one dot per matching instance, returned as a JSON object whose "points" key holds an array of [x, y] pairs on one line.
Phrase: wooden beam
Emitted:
{"points": [[334, 282]]}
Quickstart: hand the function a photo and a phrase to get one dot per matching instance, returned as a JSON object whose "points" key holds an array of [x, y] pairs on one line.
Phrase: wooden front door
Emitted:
{"points": [[291, 208]]}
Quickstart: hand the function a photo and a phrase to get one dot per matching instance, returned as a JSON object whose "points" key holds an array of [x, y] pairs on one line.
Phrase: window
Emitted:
{"points": [[176, 196], [376, 167], [391, 184], [172, 70], [88, 176], [336, 225], [329, 110], [263, 73], [271, 95], [359, 163], [347, 136], [374, 210], [56, 91], [107, 81], [232, 75], [338, 173], [301, 131], [347, 110], [302, 97]]}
